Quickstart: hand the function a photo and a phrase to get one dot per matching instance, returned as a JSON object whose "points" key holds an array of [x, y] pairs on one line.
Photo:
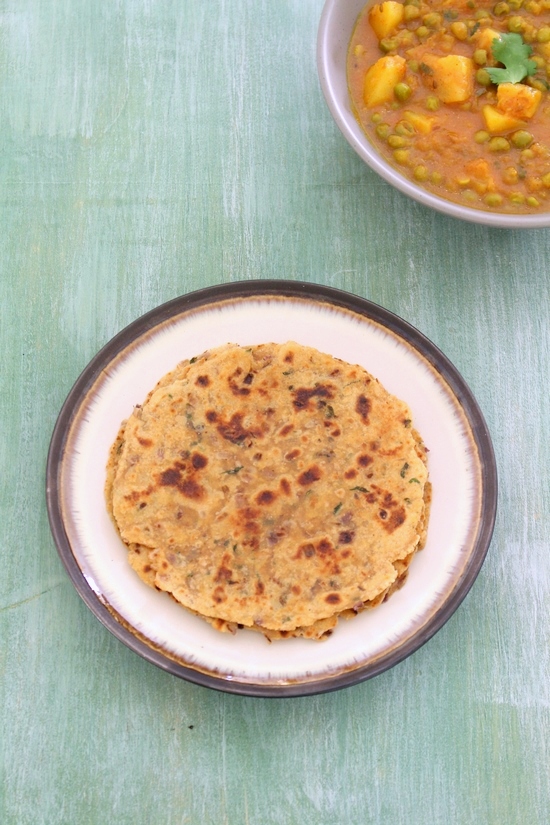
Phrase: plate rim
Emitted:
{"points": [[265, 288]]}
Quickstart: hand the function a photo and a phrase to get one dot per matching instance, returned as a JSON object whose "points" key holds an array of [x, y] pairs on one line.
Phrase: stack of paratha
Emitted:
{"points": [[272, 487]]}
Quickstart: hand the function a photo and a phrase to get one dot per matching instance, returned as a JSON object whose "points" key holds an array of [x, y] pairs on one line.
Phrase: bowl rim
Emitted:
{"points": [[332, 77]]}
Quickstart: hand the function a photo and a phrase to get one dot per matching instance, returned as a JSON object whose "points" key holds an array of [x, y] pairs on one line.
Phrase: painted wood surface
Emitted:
{"points": [[150, 148]]}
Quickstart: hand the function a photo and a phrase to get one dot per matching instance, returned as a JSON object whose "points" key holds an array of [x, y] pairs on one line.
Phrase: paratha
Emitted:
{"points": [[272, 487]]}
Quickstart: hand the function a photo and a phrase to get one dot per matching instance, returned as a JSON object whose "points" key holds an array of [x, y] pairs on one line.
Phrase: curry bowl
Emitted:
{"points": [[337, 25]]}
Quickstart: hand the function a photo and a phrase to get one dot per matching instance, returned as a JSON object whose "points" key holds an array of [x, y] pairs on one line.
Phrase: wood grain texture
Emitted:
{"points": [[150, 148]]}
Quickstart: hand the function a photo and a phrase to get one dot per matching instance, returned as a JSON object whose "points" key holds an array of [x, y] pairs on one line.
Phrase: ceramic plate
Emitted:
{"points": [[461, 465]]}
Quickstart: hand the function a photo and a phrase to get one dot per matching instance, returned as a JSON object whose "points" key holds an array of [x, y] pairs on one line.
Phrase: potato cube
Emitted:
{"points": [[483, 39], [478, 169], [518, 100], [450, 77], [381, 78], [422, 123], [496, 121], [385, 17]]}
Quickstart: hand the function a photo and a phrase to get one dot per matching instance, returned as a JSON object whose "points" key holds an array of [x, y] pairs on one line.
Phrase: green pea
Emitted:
{"points": [[404, 128], [405, 39], [413, 65], [402, 91], [498, 144], [388, 44], [501, 9], [432, 103], [383, 130], [432, 20], [521, 139], [493, 199], [482, 136], [411, 13], [460, 30], [543, 34], [422, 32], [483, 77], [401, 156], [516, 24], [515, 4], [480, 57], [421, 173], [531, 201], [397, 141], [537, 84]]}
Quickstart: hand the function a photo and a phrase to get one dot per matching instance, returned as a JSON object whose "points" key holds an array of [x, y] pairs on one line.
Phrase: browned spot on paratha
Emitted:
{"points": [[234, 430], [303, 395], [310, 475], [362, 407]]}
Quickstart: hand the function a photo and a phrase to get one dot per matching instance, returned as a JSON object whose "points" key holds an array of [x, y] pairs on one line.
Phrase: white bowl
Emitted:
{"points": [[335, 29]]}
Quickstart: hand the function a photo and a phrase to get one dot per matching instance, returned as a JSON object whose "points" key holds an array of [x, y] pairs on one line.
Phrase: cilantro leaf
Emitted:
{"points": [[513, 53]]}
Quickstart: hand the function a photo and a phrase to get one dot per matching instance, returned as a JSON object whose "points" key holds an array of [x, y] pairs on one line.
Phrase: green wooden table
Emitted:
{"points": [[152, 148]]}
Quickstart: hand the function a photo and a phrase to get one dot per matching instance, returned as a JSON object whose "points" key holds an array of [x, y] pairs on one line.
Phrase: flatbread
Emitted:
{"points": [[272, 487]]}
